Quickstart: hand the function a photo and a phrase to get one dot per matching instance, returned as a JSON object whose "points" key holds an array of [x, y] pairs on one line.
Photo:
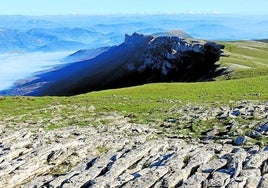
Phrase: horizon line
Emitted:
{"points": [[139, 13], [187, 12]]}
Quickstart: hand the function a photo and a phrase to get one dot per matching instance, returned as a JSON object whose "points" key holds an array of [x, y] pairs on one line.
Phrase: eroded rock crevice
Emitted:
{"points": [[124, 154]]}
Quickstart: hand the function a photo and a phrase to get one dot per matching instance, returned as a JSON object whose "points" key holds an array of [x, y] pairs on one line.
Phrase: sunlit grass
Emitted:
{"points": [[141, 101], [145, 103], [245, 59]]}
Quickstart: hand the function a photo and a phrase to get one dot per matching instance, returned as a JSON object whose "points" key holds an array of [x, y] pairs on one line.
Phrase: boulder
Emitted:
{"points": [[240, 140]]}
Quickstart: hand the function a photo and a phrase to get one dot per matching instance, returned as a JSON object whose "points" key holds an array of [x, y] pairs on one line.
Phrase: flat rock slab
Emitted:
{"points": [[131, 155]]}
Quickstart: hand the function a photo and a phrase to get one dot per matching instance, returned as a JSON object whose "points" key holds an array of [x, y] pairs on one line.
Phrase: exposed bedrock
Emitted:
{"points": [[140, 59], [110, 150]]}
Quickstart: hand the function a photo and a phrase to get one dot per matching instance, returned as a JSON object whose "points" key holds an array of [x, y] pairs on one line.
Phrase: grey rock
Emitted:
{"points": [[256, 160], [235, 112], [212, 165], [195, 180], [240, 140], [264, 169], [250, 108], [225, 108], [136, 129], [212, 134], [253, 182], [237, 183], [223, 116], [236, 163], [219, 179], [264, 181], [254, 134], [263, 128], [123, 163], [254, 149], [149, 178], [250, 172], [39, 181], [226, 149], [231, 125], [176, 163], [171, 120], [119, 153]]}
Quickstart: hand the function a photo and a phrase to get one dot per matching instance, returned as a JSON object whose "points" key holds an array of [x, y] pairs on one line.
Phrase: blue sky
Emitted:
{"points": [[59, 7]]}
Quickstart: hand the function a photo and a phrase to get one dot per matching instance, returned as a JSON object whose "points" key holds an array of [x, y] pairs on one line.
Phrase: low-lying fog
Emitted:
{"points": [[17, 66], [45, 36]]}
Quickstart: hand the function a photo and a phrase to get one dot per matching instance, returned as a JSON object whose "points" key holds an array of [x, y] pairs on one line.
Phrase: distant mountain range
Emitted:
{"points": [[87, 37], [82, 55], [57, 33], [47, 40]]}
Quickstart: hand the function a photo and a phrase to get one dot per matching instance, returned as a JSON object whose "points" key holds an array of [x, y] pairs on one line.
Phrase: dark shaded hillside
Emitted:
{"points": [[82, 55], [263, 40], [140, 59]]}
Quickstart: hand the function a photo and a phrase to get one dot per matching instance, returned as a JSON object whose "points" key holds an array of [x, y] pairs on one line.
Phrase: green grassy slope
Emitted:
{"points": [[147, 102], [245, 59]]}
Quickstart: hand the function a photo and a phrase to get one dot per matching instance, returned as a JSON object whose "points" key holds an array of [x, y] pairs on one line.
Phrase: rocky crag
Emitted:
{"points": [[120, 153], [140, 59]]}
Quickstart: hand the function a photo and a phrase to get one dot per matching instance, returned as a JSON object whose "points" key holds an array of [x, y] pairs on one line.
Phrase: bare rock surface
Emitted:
{"points": [[132, 155]]}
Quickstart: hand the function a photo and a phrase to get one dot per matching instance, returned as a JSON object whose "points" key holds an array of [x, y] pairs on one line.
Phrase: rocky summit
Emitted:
{"points": [[120, 153], [140, 59]]}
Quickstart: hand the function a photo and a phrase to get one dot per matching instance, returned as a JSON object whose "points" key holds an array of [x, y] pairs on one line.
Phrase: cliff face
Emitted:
{"points": [[176, 59], [140, 59]]}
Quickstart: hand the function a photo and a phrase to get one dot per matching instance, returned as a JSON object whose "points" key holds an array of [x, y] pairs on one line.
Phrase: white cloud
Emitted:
{"points": [[18, 66]]}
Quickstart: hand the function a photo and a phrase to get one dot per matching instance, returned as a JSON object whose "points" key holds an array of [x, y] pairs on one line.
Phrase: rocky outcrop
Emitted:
{"points": [[118, 153], [140, 59], [73, 157]]}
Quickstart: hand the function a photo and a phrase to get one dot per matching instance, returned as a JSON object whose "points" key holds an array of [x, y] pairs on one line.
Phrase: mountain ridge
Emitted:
{"points": [[140, 59]]}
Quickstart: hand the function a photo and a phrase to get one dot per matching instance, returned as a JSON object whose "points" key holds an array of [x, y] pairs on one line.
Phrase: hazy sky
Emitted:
{"points": [[48, 7]]}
